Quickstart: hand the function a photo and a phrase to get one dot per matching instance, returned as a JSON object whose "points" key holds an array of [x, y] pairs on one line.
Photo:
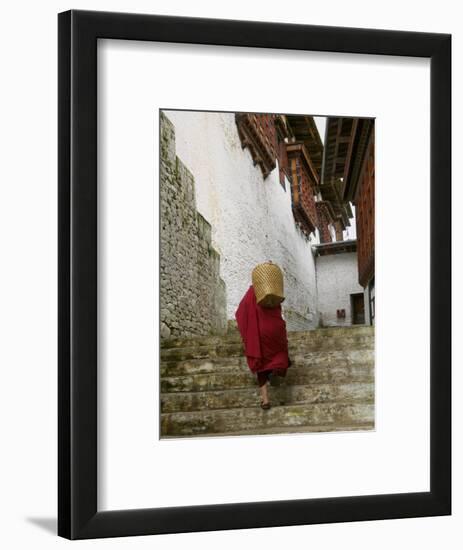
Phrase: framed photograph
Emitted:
{"points": [[254, 274]]}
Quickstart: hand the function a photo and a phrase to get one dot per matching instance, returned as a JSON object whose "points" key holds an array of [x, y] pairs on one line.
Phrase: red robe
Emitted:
{"points": [[263, 331]]}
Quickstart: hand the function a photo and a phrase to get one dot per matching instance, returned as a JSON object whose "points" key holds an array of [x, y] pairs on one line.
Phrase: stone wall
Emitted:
{"points": [[192, 294], [299, 321]]}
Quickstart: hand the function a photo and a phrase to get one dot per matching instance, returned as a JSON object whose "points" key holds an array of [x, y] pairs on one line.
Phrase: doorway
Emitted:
{"points": [[358, 309]]}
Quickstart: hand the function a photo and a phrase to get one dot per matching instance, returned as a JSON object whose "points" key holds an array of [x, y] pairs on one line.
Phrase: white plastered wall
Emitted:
{"points": [[337, 279], [251, 218]]}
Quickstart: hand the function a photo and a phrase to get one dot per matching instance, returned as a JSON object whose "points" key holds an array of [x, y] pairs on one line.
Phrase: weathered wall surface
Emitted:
{"points": [[251, 218], [337, 279], [193, 299]]}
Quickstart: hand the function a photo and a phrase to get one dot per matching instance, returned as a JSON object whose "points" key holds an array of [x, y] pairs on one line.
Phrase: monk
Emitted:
{"points": [[263, 331]]}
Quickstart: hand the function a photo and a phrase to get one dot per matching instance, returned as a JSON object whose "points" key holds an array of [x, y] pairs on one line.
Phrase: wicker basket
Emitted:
{"points": [[267, 280]]}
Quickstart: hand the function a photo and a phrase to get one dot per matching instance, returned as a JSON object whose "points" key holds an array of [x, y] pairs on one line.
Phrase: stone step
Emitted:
{"points": [[236, 349], [282, 395], [293, 336], [231, 365], [334, 415], [295, 375], [283, 430]]}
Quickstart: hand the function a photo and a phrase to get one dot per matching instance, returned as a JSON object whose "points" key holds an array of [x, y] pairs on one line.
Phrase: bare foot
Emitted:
{"points": [[264, 400]]}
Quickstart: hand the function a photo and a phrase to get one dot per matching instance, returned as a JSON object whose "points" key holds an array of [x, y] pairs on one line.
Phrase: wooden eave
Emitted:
{"points": [[304, 129], [329, 207], [299, 149], [336, 247], [261, 153], [364, 133]]}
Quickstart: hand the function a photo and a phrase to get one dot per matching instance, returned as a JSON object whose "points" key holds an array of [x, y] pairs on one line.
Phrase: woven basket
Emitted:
{"points": [[267, 280]]}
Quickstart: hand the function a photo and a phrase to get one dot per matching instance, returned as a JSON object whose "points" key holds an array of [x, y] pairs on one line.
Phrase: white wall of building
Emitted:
{"points": [[337, 279], [351, 230], [367, 307], [251, 218]]}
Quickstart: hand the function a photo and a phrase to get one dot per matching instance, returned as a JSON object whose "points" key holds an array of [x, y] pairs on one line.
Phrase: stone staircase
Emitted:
{"points": [[208, 389]]}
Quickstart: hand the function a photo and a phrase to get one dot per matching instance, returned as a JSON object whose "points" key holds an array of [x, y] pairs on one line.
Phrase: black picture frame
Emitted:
{"points": [[78, 516]]}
